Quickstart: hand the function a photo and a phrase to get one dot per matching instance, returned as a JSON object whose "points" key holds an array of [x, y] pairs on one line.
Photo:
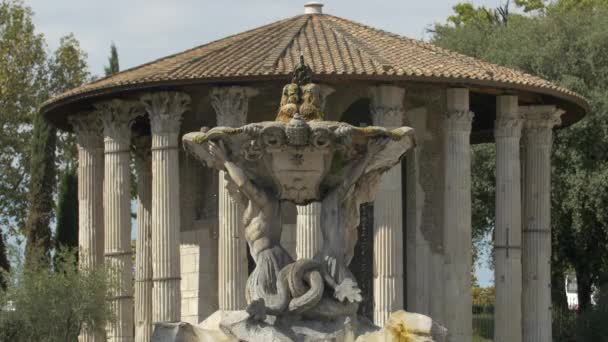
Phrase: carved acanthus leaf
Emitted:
{"points": [[539, 123], [386, 116], [458, 121], [88, 128], [231, 105], [508, 126], [165, 109], [386, 105], [117, 117]]}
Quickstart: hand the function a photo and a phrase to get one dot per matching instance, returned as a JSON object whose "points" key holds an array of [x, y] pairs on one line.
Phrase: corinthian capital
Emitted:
{"points": [[506, 127], [458, 121], [540, 121], [541, 117], [88, 128], [386, 105], [509, 120], [165, 109], [117, 117], [231, 104]]}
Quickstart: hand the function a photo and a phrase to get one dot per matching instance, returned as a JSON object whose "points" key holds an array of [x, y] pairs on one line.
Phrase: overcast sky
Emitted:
{"points": [[144, 30]]}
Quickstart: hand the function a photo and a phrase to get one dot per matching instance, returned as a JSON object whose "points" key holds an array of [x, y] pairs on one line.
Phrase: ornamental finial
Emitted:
{"points": [[302, 73]]}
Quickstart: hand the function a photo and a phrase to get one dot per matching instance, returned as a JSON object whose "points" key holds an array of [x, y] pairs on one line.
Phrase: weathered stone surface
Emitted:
{"points": [[404, 326], [343, 165], [232, 326], [178, 332], [294, 329]]}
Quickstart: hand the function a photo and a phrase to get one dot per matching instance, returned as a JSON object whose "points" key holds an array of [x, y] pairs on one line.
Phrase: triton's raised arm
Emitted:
{"points": [[253, 193], [218, 151]]}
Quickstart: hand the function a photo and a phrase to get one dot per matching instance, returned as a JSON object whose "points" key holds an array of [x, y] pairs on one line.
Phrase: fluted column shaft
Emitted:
{"points": [[165, 110], [143, 243], [233, 266], [309, 239], [507, 231], [387, 111], [536, 298], [388, 247], [117, 118], [231, 106], [308, 225], [89, 137], [457, 216]]}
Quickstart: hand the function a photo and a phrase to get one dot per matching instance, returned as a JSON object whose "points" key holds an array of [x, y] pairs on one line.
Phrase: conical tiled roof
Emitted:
{"points": [[335, 48]]}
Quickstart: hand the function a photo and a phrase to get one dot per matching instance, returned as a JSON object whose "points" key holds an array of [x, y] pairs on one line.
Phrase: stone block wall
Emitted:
{"points": [[199, 285]]}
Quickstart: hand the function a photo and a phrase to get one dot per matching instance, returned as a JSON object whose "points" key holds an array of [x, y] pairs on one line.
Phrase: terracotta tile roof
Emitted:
{"points": [[334, 47]]}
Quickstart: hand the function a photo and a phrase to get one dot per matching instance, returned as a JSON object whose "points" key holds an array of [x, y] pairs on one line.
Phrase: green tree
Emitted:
{"points": [[483, 182], [53, 305], [113, 66], [28, 76], [565, 43], [23, 81], [467, 14], [67, 69], [560, 5], [5, 266], [66, 233], [42, 185]]}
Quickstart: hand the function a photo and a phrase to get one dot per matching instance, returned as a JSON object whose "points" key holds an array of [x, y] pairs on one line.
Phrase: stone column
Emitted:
{"points": [[117, 117], [536, 298], [507, 230], [165, 110], [308, 239], [387, 111], [89, 129], [231, 105], [424, 241], [457, 243], [143, 242]]}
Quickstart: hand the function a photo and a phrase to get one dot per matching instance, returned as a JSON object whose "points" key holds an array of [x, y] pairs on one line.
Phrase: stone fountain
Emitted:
{"points": [[301, 158]]}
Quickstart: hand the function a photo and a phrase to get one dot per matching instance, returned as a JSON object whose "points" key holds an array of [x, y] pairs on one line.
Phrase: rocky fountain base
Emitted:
{"points": [[235, 326]]}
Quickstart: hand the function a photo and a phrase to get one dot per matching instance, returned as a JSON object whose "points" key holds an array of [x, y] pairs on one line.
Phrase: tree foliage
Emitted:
{"points": [[483, 182], [5, 265], [113, 66], [42, 185], [23, 72], [66, 233], [41, 304], [29, 75], [566, 42]]}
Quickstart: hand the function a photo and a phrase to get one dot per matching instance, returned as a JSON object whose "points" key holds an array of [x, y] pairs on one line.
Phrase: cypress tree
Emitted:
{"points": [[113, 66], [42, 184], [5, 266], [66, 234]]}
